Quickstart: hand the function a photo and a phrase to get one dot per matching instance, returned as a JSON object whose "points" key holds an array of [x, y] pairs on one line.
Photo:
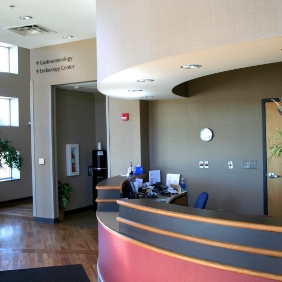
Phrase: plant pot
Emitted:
{"points": [[61, 214]]}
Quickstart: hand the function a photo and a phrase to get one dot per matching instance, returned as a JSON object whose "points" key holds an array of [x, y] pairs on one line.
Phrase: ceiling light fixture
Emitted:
{"points": [[191, 66], [132, 90], [76, 87], [145, 80], [25, 17], [147, 97], [12, 6], [67, 36]]}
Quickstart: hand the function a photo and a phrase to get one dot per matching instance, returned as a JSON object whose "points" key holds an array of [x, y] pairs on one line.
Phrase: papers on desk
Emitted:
{"points": [[172, 179], [154, 176], [139, 181], [172, 190]]}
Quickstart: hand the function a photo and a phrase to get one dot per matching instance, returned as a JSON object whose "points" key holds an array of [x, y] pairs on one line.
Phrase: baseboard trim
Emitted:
{"points": [[45, 220], [78, 210], [20, 200]]}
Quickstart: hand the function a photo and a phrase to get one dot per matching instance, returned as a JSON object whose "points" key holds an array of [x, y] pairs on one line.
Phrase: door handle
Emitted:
{"points": [[273, 175]]}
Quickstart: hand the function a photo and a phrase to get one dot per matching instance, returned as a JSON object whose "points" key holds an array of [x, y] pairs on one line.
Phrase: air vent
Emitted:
{"points": [[29, 30]]}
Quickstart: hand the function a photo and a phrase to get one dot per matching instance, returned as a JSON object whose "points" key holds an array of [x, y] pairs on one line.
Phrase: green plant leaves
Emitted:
{"points": [[64, 190], [276, 149], [9, 155]]}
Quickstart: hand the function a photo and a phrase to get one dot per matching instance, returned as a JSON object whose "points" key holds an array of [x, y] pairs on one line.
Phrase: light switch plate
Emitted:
{"points": [[201, 164], [245, 164], [41, 161], [206, 164]]}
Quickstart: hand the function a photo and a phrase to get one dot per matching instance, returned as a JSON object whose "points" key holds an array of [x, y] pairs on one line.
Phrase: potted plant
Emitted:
{"points": [[276, 148], [9, 155], [64, 191]]}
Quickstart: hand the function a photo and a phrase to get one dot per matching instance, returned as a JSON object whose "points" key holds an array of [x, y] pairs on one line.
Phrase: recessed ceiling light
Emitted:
{"points": [[191, 66], [76, 87], [132, 90], [145, 80], [25, 17], [67, 36]]}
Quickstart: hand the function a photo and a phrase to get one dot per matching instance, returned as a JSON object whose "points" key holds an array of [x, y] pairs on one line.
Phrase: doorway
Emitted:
{"points": [[79, 118], [272, 167]]}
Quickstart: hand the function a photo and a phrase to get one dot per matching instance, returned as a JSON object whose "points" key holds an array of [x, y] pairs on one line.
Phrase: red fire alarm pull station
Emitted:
{"points": [[125, 116]]}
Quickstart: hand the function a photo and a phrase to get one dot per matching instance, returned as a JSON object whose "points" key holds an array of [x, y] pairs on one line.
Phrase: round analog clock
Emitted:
{"points": [[206, 134]]}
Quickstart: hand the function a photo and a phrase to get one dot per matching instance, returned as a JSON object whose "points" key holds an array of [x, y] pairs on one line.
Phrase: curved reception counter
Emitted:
{"points": [[146, 240]]}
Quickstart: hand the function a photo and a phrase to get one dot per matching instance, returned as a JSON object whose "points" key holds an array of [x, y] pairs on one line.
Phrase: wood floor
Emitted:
{"points": [[28, 244]]}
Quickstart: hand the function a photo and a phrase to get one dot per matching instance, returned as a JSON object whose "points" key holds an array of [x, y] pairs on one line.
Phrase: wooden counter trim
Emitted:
{"points": [[108, 187], [200, 240], [191, 259], [225, 222], [106, 200], [112, 187]]}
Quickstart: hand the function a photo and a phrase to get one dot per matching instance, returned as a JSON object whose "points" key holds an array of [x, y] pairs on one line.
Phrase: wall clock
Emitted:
{"points": [[206, 134]]}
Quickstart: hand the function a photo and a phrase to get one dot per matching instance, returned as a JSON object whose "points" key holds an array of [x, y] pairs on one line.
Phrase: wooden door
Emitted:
{"points": [[274, 185]]}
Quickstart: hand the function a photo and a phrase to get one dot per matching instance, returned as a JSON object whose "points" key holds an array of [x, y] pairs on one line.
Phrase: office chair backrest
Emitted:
{"points": [[175, 199], [201, 200]]}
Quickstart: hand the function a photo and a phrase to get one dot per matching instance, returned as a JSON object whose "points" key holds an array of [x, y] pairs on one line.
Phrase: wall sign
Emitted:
{"points": [[65, 66]]}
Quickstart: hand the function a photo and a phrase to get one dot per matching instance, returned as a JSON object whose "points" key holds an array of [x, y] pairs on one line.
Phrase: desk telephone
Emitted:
{"points": [[160, 186], [162, 189]]}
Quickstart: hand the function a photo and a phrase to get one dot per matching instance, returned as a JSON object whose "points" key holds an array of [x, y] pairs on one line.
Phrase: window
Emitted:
{"points": [[9, 111], [4, 59], [8, 58], [9, 174]]}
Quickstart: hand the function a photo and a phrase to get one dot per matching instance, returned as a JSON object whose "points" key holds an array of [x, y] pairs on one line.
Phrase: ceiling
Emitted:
{"points": [[77, 18], [90, 86], [64, 17]]}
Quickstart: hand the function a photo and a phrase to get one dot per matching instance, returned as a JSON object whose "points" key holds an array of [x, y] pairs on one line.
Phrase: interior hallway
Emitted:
{"points": [[28, 244]]}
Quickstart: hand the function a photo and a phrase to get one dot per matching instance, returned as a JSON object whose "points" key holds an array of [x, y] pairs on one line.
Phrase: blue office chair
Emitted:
{"points": [[201, 200]]}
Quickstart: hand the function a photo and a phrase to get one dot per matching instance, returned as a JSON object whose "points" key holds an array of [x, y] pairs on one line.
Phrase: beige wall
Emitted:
{"points": [[83, 55], [131, 33], [127, 137], [17, 86], [230, 104]]}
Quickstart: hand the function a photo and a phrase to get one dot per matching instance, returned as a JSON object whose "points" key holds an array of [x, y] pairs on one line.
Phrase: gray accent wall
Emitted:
{"points": [[80, 119], [18, 86], [229, 103]]}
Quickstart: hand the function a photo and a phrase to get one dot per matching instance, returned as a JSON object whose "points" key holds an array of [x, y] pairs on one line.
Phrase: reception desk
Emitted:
{"points": [[145, 240]]}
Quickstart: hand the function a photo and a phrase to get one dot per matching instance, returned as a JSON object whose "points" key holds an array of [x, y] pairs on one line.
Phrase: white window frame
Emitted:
{"points": [[13, 111], [4, 59], [10, 174], [12, 58], [6, 173]]}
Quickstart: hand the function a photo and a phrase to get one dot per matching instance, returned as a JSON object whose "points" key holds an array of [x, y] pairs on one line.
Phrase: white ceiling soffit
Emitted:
{"points": [[30, 30]]}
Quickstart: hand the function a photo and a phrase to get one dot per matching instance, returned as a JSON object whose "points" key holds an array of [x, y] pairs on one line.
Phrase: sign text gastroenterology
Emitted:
{"points": [[58, 60]]}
